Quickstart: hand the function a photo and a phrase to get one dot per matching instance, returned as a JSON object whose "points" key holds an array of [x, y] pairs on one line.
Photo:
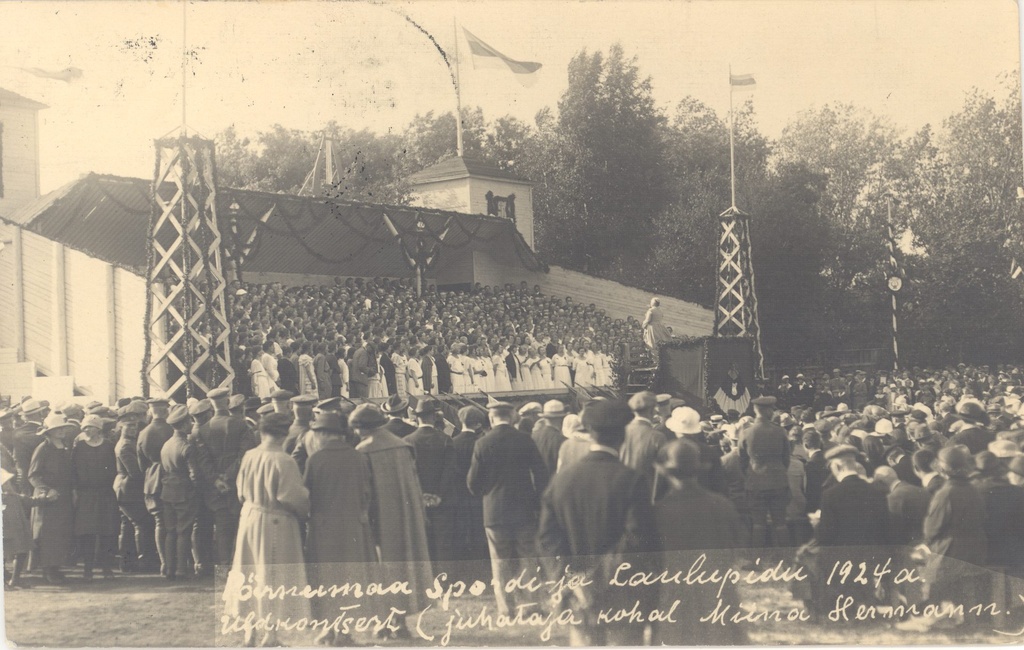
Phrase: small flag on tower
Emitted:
{"points": [[484, 53], [742, 80]]}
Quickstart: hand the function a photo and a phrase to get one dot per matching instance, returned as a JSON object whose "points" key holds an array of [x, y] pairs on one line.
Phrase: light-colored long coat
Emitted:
{"points": [[269, 546]]}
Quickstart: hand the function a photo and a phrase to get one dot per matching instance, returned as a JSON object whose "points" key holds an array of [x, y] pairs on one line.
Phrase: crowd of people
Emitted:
{"points": [[376, 338], [295, 489]]}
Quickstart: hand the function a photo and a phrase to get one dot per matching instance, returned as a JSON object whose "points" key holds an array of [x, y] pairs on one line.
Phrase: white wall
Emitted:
{"points": [[443, 195], [478, 188], [129, 316], [39, 297], [88, 298]]}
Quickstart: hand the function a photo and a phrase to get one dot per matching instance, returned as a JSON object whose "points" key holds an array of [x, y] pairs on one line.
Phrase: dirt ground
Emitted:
{"points": [[144, 611]]}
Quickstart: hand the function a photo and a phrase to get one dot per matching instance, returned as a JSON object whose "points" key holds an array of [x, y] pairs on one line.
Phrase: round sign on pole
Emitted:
{"points": [[895, 283]]}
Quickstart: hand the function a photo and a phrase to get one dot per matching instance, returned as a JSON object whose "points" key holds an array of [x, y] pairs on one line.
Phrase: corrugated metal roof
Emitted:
{"points": [[463, 167], [7, 96], [107, 217]]}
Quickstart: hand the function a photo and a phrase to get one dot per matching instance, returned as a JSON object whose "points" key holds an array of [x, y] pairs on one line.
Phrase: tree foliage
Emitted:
{"points": [[629, 191]]}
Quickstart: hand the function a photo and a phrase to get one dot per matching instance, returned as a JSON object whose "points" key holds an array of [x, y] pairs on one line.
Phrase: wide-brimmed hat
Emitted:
{"points": [[427, 405], [684, 421], [554, 409], [529, 407], [56, 423], [1004, 448], [972, 412], [395, 405]]}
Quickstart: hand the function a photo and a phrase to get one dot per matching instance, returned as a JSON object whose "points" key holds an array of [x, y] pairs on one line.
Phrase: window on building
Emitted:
{"points": [[501, 206]]}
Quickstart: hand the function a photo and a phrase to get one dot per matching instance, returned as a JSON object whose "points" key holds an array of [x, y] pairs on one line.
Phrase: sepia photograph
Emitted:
{"points": [[511, 323]]}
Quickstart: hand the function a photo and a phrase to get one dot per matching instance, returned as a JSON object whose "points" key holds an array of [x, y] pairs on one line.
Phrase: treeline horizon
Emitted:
{"points": [[631, 192]]}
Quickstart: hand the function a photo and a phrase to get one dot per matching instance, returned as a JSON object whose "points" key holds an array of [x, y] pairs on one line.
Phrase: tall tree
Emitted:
{"points": [[599, 167]]}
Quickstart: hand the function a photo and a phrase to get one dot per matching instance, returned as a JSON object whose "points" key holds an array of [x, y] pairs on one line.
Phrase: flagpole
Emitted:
{"points": [[892, 253], [184, 62], [458, 94], [732, 148]]}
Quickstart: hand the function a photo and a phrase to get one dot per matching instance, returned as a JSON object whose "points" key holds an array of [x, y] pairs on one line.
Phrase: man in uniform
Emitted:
{"points": [[508, 472], [435, 466], [547, 434], [226, 437], [136, 542], [203, 549], [766, 446], [642, 443], [299, 442], [281, 399], [470, 539], [151, 442]]}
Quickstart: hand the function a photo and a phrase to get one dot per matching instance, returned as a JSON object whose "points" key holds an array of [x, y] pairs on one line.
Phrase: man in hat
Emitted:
{"points": [[397, 512], [470, 538], [547, 434], [180, 476], [596, 514], [435, 467], [692, 520], [839, 387], [642, 442], [766, 446], [204, 549], [396, 409], [685, 424], [340, 547], [662, 412], [227, 438], [137, 540], [300, 443], [282, 401], [860, 391], [508, 472], [954, 531], [853, 526], [975, 434], [529, 413], [925, 464], [151, 441]]}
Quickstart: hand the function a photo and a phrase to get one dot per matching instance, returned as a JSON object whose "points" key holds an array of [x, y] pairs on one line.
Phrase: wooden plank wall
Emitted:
{"points": [[39, 296], [129, 329], [87, 299]]}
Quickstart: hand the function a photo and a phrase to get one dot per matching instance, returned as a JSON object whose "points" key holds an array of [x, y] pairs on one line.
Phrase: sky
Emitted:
{"points": [[302, 64]]}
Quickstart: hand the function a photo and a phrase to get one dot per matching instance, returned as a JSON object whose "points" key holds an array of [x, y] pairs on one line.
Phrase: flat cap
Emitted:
{"points": [[200, 407], [529, 407], [253, 403], [329, 404], [135, 407], [427, 405], [178, 414], [304, 400], [764, 400], [662, 398], [366, 416], [236, 401], [155, 401], [219, 393], [265, 409], [841, 450], [643, 400], [603, 415], [281, 395]]}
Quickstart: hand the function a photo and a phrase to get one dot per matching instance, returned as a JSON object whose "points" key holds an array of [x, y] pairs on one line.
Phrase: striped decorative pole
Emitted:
{"points": [[895, 284]]}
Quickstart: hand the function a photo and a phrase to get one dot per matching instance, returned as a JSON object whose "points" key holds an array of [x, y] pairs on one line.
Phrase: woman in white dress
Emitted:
{"points": [[401, 369], [376, 386], [544, 364], [483, 373], [460, 373], [269, 361], [523, 359], [584, 371], [307, 375], [414, 374], [534, 365], [560, 365], [502, 383], [262, 384]]}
